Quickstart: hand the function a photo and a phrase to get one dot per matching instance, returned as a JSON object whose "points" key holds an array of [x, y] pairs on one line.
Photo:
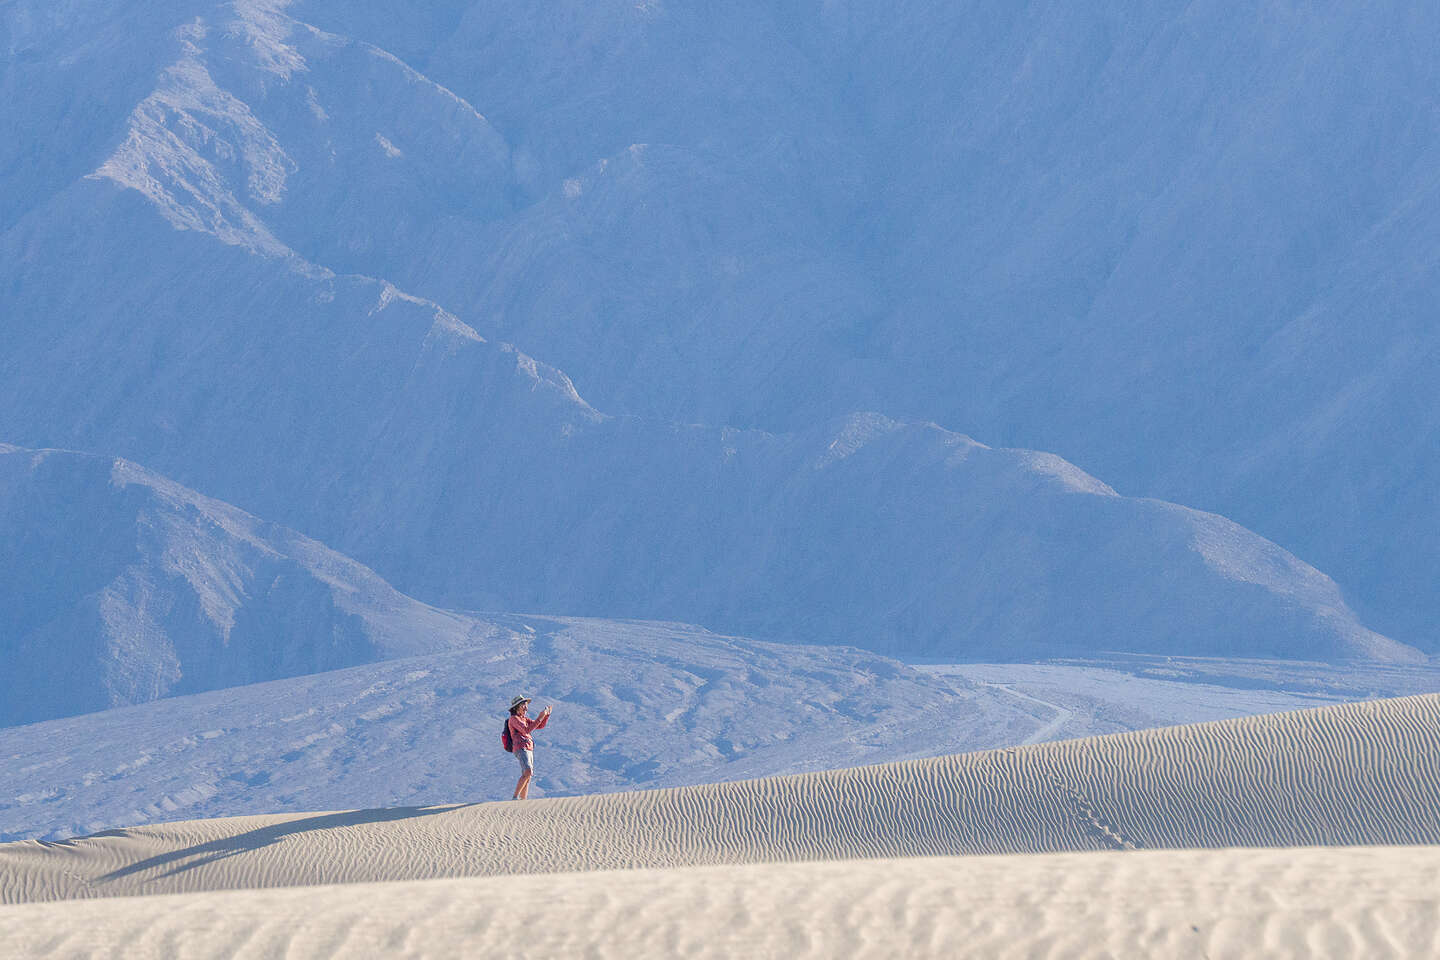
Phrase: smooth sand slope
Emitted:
{"points": [[1337, 902], [1357, 774]]}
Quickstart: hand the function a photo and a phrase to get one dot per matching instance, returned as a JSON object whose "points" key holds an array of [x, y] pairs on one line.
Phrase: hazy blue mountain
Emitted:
{"points": [[471, 476], [265, 259], [1185, 246], [122, 587]]}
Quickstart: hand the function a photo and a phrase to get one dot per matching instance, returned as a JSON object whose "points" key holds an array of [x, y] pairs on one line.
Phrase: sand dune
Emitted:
{"points": [[1357, 774], [1350, 902]]}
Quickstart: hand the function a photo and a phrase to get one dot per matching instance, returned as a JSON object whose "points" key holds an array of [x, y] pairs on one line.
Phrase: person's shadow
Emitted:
{"points": [[216, 850]]}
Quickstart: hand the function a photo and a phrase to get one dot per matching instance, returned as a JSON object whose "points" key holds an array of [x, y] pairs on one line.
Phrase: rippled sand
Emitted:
{"points": [[1331, 902], [863, 855]]}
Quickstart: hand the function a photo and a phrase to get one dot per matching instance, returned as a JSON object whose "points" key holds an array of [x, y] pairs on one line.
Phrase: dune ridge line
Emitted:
{"points": [[1354, 774]]}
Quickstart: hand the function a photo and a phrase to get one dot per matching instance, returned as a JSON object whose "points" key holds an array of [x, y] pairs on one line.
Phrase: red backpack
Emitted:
{"points": [[505, 739]]}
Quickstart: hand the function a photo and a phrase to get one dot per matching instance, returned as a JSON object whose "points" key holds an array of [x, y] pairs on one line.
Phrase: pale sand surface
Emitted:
{"points": [[1357, 774], [1332, 903]]}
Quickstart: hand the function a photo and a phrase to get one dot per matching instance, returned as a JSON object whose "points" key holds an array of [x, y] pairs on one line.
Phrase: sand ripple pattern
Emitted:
{"points": [[1357, 774], [1360, 902]]}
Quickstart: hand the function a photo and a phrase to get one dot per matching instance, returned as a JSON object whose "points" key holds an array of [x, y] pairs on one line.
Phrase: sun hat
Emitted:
{"points": [[519, 699]]}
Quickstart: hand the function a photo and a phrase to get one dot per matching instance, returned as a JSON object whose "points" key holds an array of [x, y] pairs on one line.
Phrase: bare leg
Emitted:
{"points": [[522, 786]]}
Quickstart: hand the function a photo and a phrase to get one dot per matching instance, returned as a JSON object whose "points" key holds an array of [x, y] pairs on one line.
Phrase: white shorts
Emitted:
{"points": [[527, 760]]}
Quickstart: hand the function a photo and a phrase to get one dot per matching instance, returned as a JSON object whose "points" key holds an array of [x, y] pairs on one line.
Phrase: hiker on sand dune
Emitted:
{"points": [[520, 727]]}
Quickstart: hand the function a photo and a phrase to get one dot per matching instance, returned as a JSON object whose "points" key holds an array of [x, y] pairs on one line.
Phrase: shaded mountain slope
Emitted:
{"points": [[1185, 246], [472, 476], [181, 307], [122, 587]]}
